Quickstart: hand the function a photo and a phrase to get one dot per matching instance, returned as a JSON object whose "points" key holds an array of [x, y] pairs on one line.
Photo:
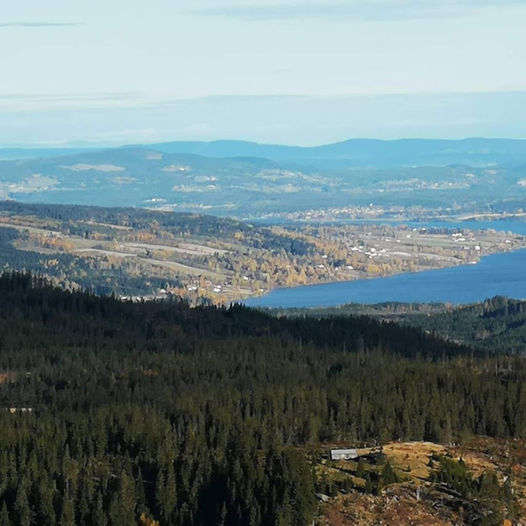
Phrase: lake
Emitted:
{"points": [[497, 274]]}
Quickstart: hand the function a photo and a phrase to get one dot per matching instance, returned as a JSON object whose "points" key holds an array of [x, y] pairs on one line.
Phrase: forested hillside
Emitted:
{"points": [[123, 413], [498, 324]]}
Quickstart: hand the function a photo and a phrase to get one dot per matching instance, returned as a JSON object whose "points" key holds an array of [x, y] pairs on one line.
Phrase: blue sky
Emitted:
{"points": [[291, 72]]}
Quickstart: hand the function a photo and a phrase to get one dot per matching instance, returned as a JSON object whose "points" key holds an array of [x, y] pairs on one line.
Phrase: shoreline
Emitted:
{"points": [[370, 279]]}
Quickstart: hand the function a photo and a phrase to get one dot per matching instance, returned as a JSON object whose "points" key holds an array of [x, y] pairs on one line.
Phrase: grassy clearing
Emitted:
{"points": [[415, 499]]}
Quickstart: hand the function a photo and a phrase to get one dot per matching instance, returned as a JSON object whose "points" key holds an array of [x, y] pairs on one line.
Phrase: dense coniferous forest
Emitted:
{"points": [[157, 413], [497, 324]]}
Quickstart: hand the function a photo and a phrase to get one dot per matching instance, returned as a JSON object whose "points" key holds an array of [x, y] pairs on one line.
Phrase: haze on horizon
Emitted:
{"points": [[289, 72]]}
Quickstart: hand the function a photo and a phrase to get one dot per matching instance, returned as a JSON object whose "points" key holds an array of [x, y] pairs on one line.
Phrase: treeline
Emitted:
{"points": [[153, 411], [392, 311]]}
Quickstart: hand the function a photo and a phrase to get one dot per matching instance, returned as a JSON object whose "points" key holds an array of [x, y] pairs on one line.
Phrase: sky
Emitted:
{"points": [[310, 72]]}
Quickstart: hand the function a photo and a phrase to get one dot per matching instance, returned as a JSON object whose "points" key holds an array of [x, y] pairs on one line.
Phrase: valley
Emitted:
{"points": [[150, 254], [263, 263]]}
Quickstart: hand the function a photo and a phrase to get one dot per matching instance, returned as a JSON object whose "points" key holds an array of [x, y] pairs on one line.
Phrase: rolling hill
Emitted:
{"points": [[407, 179]]}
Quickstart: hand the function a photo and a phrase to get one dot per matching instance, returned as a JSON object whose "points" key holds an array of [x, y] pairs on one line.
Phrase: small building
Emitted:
{"points": [[343, 454]]}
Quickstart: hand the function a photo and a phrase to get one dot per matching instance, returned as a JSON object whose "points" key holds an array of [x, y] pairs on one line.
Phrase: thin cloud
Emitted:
{"points": [[67, 97], [358, 9], [38, 24], [15, 102]]}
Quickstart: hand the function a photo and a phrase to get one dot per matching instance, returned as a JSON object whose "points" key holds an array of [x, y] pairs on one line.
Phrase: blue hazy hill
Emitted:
{"points": [[365, 152], [245, 179]]}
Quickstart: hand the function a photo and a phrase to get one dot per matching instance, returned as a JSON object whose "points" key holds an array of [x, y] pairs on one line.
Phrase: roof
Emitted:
{"points": [[338, 453]]}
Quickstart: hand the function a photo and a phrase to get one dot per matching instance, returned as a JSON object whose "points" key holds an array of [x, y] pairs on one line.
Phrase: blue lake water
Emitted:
{"points": [[498, 274]]}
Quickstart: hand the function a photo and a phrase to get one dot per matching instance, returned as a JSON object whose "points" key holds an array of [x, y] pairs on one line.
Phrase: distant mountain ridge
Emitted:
{"points": [[364, 152], [352, 152]]}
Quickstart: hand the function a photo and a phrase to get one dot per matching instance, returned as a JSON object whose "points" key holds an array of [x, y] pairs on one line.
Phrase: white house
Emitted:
{"points": [[343, 454]]}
